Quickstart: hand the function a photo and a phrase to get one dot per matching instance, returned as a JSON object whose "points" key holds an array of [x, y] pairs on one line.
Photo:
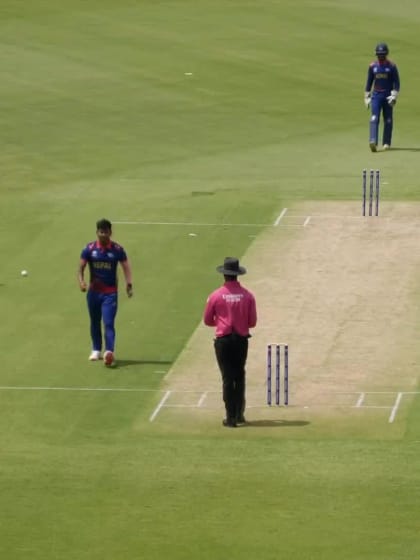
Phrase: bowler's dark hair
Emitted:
{"points": [[103, 224]]}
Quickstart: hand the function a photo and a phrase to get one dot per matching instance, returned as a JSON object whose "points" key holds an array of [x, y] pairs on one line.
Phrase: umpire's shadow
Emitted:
{"points": [[277, 423]]}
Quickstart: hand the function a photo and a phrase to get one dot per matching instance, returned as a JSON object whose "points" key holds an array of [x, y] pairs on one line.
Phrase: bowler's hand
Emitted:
{"points": [[367, 100], [83, 286], [129, 289]]}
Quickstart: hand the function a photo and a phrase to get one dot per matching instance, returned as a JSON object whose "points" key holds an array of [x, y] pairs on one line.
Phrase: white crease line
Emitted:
{"points": [[203, 224], [306, 222], [81, 389], [280, 217], [182, 390], [315, 405], [159, 406], [395, 408], [202, 399], [360, 400], [196, 224], [95, 389], [408, 220], [415, 222]]}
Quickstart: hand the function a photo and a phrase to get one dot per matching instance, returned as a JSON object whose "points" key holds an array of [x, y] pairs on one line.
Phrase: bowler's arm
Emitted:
{"points": [[128, 277], [81, 275]]}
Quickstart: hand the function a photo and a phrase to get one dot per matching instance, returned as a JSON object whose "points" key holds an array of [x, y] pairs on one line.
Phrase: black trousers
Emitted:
{"points": [[231, 354]]}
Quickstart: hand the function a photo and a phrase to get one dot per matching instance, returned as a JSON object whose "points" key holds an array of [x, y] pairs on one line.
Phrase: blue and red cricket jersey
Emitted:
{"points": [[383, 76], [103, 262]]}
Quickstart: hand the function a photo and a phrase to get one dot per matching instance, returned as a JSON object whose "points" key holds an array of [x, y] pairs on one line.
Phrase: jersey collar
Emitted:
{"points": [[99, 246]]}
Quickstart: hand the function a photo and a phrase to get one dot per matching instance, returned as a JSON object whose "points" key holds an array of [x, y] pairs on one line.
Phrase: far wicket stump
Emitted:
{"points": [[374, 186]]}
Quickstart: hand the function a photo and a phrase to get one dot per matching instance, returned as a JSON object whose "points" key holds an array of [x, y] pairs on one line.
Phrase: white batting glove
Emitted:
{"points": [[392, 99], [367, 99]]}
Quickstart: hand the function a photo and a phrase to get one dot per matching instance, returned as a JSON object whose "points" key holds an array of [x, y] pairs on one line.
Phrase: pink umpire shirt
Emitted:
{"points": [[231, 308]]}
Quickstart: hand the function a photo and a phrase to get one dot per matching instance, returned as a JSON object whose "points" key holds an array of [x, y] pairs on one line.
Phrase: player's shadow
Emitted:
{"points": [[277, 423], [408, 149], [121, 363]]}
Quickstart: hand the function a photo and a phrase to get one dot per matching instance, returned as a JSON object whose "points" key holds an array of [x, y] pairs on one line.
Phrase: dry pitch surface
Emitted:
{"points": [[342, 291]]}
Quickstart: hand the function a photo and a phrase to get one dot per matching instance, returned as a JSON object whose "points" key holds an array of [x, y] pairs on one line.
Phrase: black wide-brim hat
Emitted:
{"points": [[231, 267]]}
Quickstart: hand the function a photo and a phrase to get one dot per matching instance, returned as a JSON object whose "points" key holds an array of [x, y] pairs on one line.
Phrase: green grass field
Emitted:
{"points": [[210, 112]]}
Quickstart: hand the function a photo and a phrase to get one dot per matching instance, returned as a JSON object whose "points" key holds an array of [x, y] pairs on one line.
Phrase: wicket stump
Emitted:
{"points": [[278, 348], [374, 187]]}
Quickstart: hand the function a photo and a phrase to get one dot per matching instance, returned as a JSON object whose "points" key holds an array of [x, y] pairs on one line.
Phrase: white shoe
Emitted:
{"points": [[95, 355], [109, 360], [372, 146], [386, 147]]}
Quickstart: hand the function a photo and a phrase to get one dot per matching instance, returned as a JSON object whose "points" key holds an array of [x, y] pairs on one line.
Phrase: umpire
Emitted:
{"points": [[232, 310]]}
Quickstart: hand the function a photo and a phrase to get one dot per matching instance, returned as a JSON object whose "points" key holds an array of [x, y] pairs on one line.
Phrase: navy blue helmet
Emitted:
{"points": [[381, 49]]}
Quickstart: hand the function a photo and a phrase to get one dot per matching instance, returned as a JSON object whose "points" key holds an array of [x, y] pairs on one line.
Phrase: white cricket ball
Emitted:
{"points": [[24, 273]]}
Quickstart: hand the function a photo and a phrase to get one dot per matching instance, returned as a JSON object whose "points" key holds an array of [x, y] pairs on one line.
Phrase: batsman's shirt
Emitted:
{"points": [[103, 262], [231, 309]]}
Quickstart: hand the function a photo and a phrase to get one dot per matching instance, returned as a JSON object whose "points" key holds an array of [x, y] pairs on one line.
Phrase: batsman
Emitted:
{"points": [[381, 92]]}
